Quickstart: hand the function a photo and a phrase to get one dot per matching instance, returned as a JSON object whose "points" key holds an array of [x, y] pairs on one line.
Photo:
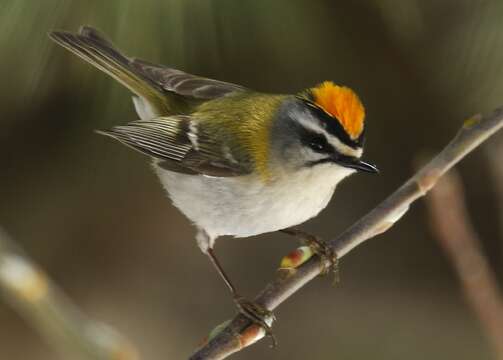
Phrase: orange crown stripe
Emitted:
{"points": [[343, 104]]}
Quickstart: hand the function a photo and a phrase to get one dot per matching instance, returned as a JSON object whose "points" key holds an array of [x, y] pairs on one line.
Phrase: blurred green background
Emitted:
{"points": [[92, 213]]}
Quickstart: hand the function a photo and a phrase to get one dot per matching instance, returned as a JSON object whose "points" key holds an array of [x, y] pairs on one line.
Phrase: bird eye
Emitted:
{"points": [[319, 144]]}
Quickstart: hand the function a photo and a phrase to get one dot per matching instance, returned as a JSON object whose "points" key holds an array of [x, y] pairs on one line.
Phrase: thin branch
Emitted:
{"points": [[455, 233], [240, 333], [30, 291]]}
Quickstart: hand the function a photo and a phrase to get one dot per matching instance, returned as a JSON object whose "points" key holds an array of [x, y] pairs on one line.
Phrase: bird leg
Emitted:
{"points": [[250, 309], [319, 247]]}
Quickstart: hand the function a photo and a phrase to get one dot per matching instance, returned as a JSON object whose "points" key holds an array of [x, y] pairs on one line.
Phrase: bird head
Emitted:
{"points": [[323, 125]]}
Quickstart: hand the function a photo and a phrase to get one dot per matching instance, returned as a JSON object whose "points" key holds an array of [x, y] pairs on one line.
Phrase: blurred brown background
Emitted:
{"points": [[93, 215]]}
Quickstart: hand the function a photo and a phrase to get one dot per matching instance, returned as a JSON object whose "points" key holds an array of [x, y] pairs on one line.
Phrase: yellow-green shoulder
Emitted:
{"points": [[243, 121]]}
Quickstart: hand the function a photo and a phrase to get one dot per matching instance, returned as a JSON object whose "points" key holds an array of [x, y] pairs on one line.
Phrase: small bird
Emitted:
{"points": [[235, 161]]}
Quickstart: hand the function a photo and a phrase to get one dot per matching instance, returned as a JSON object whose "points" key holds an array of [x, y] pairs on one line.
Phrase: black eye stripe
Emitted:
{"points": [[317, 142]]}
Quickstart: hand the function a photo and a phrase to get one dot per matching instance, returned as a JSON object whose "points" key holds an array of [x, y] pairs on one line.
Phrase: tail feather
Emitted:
{"points": [[91, 46]]}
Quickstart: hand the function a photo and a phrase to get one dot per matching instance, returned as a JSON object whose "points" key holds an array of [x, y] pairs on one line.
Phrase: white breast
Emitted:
{"points": [[245, 206]]}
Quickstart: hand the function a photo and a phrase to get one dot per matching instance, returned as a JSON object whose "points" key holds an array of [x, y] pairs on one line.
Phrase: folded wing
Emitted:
{"points": [[180, 144]]}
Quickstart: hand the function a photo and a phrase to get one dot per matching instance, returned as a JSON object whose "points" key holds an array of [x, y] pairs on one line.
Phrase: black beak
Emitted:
{"points": [[357, 164]]}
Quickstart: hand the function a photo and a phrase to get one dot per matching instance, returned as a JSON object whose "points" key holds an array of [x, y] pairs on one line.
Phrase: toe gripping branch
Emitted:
{"points": [[258, 315], [320, 248]]}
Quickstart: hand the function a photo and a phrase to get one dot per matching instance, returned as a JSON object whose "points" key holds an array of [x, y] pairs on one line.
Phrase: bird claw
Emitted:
{"points": [[327, 254], [258, 314], [322, 249]]}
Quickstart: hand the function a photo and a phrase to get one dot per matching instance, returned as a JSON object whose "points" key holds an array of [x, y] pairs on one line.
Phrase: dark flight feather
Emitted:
{"points": [[173, 142], [169, 91]]}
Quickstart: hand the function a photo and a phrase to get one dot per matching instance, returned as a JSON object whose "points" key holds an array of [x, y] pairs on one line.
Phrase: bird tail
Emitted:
{"points": [[90, 45]]}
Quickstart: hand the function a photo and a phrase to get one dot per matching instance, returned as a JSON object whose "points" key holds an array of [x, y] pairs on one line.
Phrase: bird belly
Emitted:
{"points": [[246, 205]]}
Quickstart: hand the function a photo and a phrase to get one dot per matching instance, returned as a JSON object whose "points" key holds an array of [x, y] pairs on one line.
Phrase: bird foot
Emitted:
{"points": [[322, 249], [258, 314], [327, 254]]}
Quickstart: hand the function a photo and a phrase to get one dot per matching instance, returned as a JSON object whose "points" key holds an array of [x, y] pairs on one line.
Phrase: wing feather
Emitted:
{"points": [[169, 91], [180, 145], [185, 84]]}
